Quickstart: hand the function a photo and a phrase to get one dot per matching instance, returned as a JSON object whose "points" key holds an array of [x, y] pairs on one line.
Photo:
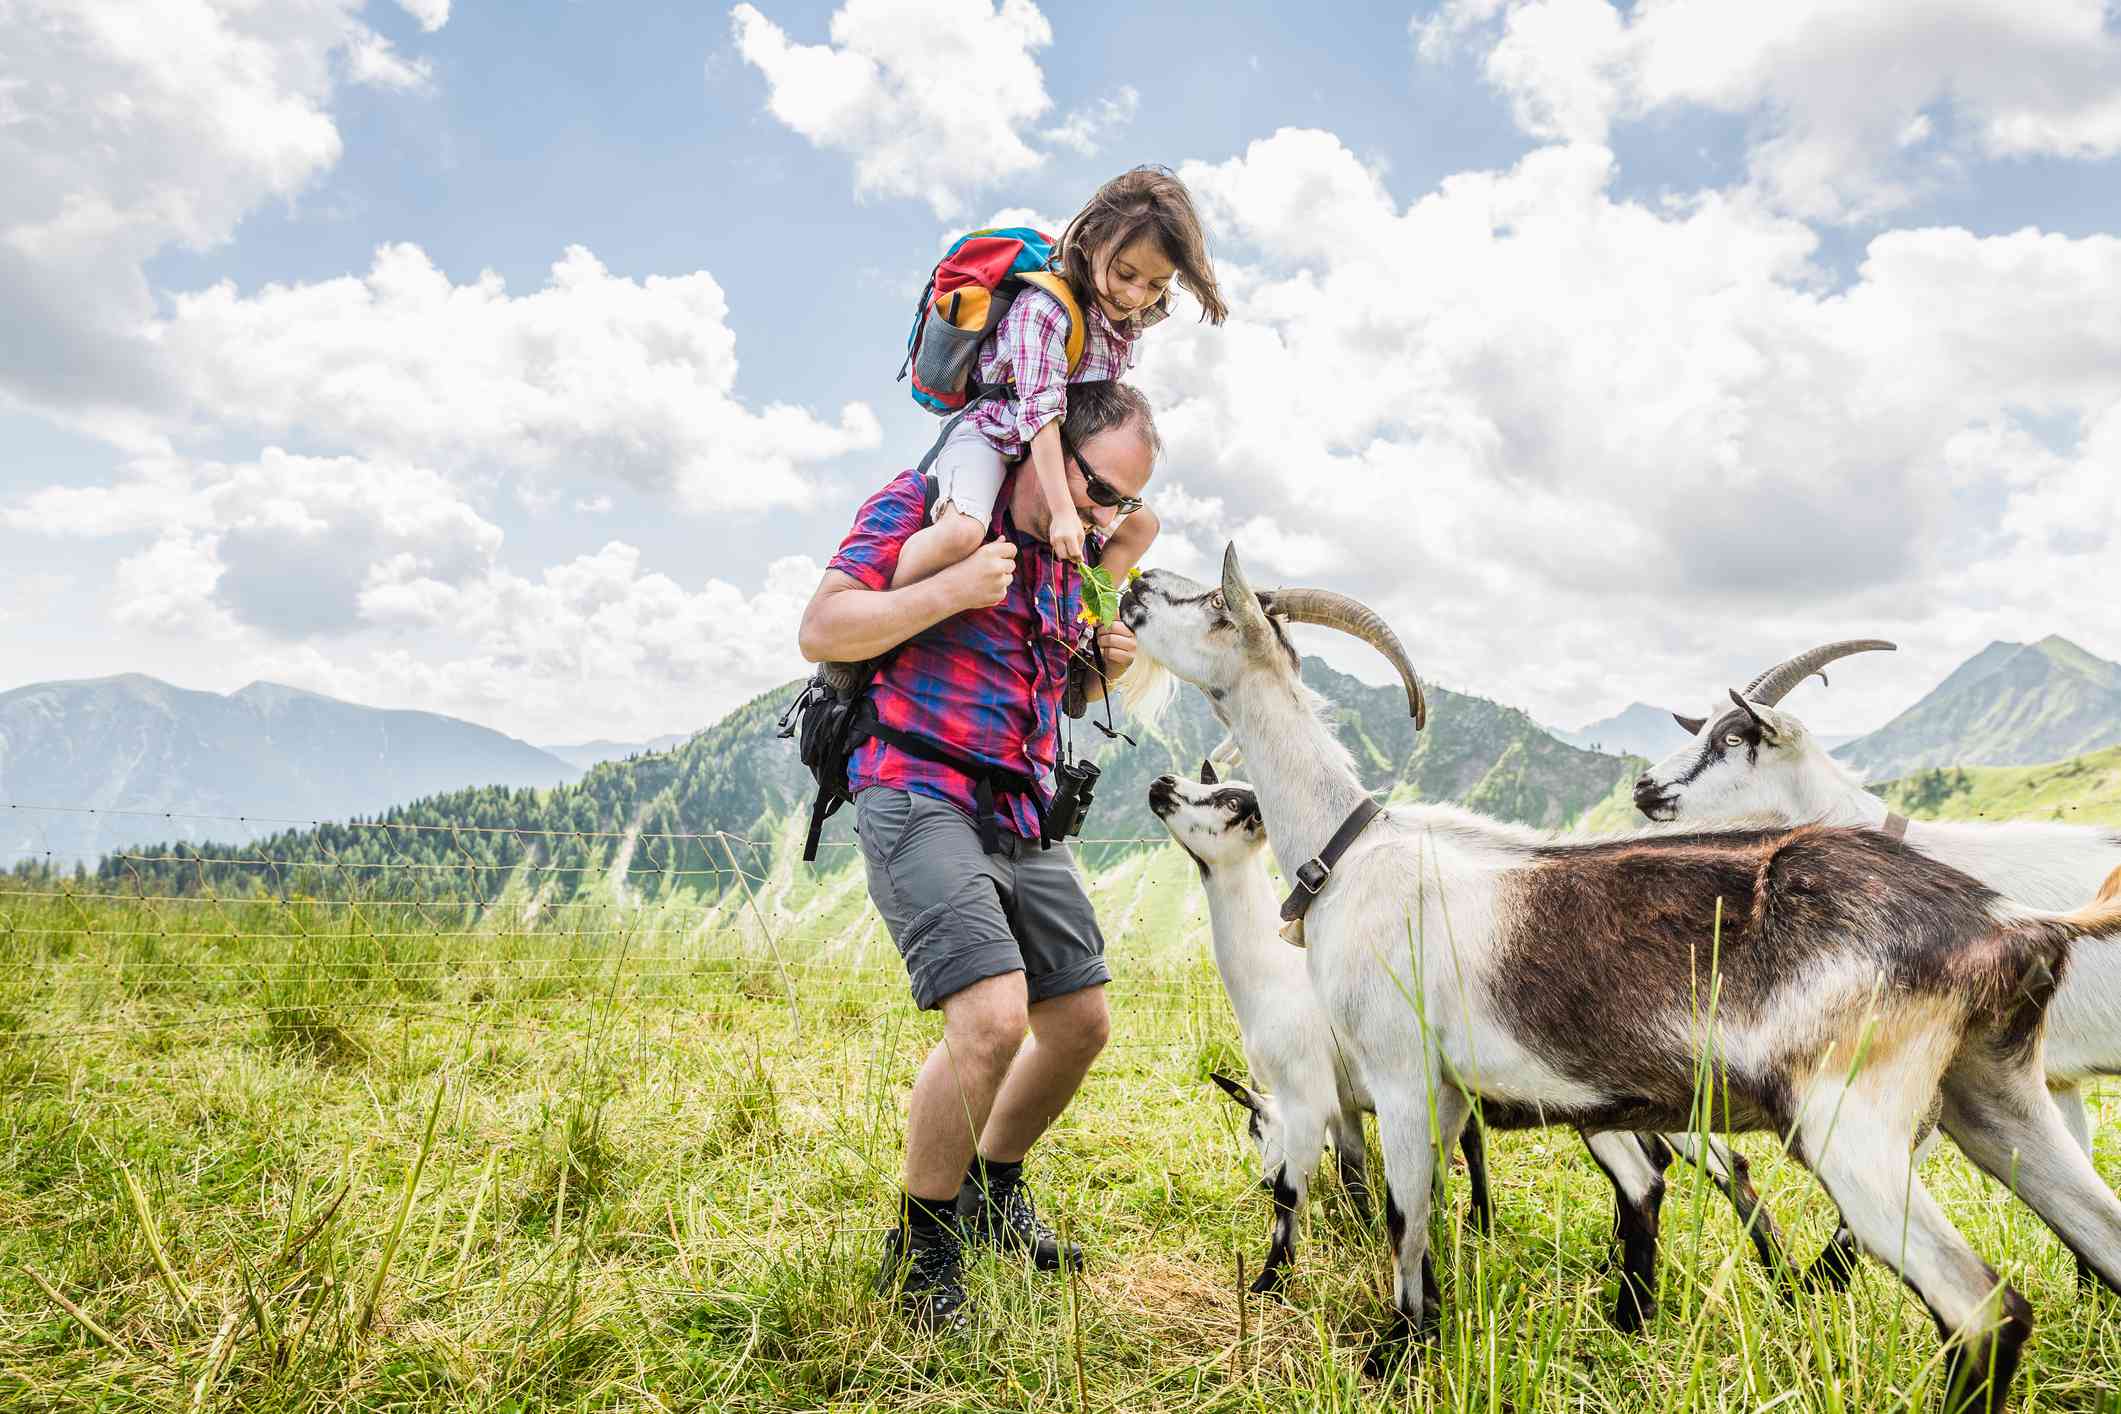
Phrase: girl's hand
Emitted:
{"points": [[1066, 536]]}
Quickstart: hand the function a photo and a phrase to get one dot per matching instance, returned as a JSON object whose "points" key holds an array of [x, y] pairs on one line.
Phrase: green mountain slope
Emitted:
{"points": [[2083, 791], [739, 777], [2011, 704]]}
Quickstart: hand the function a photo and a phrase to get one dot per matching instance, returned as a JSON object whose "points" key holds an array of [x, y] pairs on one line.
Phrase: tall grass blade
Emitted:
{"points": [[81, 1317], [138, 1202], [397, 1227]]}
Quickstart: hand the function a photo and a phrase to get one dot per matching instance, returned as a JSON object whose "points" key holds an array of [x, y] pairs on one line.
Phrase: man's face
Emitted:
{"points": [[1118, 457]]}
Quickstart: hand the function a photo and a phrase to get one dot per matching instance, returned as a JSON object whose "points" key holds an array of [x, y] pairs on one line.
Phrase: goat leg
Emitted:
{"points": [[1638, 1195], [1473, 1143]]}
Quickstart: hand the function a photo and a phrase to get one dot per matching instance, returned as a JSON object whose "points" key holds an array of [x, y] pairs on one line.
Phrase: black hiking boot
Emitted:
{"points": [[1001, 1214], [926, 1271]]}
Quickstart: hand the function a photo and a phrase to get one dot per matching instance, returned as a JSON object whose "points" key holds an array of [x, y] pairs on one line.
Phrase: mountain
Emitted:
{"points": [[2085, 790], [136, 744], [1637, 730], [656, 815], [585, 754], [2011, 704]]}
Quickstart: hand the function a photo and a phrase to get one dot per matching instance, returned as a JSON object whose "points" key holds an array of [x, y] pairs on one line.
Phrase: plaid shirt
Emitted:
{"points": [[984, 684], [1029, 353]]}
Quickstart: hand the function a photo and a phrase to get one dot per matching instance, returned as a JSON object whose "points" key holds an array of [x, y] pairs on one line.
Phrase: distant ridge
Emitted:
{"points": [[136, 743], [585, 754], [1636, 730], [2011, 704]]}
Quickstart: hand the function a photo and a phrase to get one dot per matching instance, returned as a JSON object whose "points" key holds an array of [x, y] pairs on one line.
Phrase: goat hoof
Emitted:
{"points": [[1631, 1313], [1267, 1282]]}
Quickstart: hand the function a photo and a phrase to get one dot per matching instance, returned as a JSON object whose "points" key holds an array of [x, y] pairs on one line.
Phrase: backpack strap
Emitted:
{"points": [[986, 779], [1056, 284]]}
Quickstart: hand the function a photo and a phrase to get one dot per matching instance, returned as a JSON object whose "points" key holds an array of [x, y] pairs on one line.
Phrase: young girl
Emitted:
{"points": [[1119, 255]]}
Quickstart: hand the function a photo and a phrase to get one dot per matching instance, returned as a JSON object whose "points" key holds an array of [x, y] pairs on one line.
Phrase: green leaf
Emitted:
{"points": [[1100, 597]]}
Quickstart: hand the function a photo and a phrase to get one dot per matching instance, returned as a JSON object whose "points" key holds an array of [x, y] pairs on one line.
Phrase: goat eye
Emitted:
{"points": [[1215, 602], [1734, 740]]}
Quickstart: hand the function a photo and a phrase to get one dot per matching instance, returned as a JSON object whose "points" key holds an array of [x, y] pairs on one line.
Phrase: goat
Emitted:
{"points": [[1309, 1093], [1288, 1046], [1819, 982], [1756, 762]]}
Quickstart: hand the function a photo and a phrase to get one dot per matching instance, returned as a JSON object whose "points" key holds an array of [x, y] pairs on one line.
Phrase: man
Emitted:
{"points": [[996, 931]]}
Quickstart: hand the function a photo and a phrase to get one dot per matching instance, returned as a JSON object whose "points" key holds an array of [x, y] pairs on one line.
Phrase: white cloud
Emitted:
{"points": [[1577, 428], [130, 125], [1846, 99], [932, 98], [595, 375], [432, 14], [1087, 128], [597, 646], [372, 59]]}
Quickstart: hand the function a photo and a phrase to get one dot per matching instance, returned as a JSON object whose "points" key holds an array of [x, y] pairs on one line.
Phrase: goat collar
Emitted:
{"points": [[1312, 874], [1895, 826]]}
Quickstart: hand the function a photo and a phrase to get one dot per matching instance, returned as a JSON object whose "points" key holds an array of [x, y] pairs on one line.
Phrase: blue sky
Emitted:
{"points": [[1613, 351]]}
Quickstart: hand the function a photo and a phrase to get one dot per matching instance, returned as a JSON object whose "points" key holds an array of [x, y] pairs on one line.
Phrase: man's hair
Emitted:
{"points": [[1105, 404]]}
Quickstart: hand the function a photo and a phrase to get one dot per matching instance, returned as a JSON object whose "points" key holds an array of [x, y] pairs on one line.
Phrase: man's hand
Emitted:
{"points": [[982, 579], [1116, 642]]}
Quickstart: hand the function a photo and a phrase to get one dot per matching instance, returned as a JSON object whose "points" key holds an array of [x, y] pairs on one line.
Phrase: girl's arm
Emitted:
{"points": [[1050, 465], [1033, 338]]}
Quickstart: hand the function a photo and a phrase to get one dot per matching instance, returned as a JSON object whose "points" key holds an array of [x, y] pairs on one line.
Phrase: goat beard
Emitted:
{"points": [[1146, 689]]}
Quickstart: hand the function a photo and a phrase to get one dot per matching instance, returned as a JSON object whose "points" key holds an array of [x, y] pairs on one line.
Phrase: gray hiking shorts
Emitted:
{"points": [[959, 915]]}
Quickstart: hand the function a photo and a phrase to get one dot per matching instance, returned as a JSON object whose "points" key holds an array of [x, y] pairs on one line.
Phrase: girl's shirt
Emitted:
{"points": [[1029, 354]]}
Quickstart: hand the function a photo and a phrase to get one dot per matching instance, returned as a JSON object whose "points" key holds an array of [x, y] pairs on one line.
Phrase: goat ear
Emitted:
{"points": [[1690, 725], [1207, 774], [1760, 718], [1237, 1091]]}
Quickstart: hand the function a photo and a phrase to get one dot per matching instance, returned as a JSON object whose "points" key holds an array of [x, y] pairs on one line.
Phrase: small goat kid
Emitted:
{"points": [[1821, 983], [1756, 763], [1288, 1045]]}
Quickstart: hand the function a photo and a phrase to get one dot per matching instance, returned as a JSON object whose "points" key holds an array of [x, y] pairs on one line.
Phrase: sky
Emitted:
{"points": [[526, 362]]}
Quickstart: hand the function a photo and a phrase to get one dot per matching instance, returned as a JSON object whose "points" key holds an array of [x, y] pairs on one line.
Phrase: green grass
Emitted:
{"points": [[654, 1182]]}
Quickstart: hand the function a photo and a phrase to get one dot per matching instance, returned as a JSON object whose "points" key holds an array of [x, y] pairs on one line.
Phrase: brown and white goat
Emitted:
{"points": [[1820, 983]]}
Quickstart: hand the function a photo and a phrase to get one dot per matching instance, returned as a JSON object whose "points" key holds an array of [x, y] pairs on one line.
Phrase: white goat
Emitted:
{"points": [[1288, 1045], [1309, 1094], [1818, 982], [1757, 763]]}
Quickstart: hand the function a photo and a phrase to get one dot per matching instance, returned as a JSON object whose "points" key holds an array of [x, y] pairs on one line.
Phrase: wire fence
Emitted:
{"points": [[176, 939], [234, 936]]}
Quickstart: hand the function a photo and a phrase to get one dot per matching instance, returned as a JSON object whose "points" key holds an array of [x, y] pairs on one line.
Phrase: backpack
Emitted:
{"points": [[967, 294]]}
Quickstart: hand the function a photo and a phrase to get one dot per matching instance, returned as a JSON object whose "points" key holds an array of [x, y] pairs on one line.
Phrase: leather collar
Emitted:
{"points": [[1314, 873]]}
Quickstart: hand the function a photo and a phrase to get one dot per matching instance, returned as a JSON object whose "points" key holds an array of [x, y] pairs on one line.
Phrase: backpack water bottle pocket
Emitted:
{"points": [[946, 355]]}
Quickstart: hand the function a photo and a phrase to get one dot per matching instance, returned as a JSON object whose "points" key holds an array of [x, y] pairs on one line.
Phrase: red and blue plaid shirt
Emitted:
{"points": [[984, 684]]}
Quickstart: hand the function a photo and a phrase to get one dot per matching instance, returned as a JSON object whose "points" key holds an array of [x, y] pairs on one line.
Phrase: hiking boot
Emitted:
{"points": [[1002, 1215], [927, 1272]]}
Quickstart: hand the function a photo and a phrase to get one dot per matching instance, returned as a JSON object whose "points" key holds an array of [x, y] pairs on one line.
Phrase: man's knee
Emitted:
{"points": [[985, 1024], [1079, 1023]]}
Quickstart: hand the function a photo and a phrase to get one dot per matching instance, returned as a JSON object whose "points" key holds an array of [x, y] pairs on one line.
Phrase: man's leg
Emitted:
{"points": [[1067, 1033], [983, 1031]]}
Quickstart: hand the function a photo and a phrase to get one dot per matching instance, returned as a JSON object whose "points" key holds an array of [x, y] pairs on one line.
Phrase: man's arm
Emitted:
{"points": [[847, 622]]}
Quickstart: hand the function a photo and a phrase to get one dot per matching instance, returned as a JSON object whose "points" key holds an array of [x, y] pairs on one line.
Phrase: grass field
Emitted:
{"points": [[636, 1155]]}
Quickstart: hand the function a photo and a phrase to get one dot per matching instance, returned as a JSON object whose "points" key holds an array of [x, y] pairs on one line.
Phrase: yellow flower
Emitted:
{"points": [[1134, 573]]}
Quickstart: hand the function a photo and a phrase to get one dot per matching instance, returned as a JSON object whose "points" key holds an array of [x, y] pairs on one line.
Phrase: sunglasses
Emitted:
{"points": [[1100, 490]]}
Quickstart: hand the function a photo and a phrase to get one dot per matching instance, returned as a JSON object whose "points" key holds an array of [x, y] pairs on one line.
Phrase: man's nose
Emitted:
{"points": [[1101, 516]]}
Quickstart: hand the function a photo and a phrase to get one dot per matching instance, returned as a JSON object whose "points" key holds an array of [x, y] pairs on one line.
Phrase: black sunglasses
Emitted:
{"points": [[1100, 490]]}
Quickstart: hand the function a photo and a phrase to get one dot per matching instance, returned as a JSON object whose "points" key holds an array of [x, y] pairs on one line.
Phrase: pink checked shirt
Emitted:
{"points": [[1029, 352]]}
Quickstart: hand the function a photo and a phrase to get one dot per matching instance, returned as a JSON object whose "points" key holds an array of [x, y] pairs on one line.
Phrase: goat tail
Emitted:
{"points": [[2033, 950]]}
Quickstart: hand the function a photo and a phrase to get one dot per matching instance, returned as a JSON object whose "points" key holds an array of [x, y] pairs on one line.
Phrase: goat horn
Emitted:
{"points": [[1330, 610], [1773, 685]]}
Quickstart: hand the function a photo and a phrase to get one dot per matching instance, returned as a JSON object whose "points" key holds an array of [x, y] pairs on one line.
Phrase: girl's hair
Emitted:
{"points": [[1147, 201]]}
